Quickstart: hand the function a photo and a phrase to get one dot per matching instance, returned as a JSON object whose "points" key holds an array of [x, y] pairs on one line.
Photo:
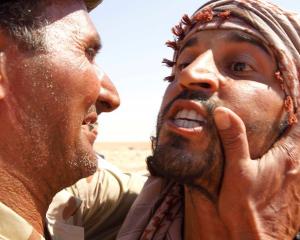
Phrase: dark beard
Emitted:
{"points": [[173, 160]]}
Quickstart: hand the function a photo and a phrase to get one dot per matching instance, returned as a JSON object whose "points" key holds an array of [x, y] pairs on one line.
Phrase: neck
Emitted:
{"points": [[29, 199], [201, 218]]}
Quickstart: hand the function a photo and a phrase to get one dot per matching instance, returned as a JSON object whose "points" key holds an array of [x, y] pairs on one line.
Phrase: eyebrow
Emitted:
{"points": [[97, 43], [237, 37], [242, 37], [190, 43], [94, 41]]}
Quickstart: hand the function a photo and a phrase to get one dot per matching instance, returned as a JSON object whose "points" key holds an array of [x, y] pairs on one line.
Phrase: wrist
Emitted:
{"points": [[244, 223], [249, 223]]}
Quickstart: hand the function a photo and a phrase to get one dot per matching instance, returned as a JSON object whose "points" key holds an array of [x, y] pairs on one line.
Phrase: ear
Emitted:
{"points": [[3, 75], [2, 78]]}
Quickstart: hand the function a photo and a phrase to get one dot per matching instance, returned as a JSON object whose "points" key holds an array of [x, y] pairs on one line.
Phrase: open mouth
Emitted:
{"points": [[90, 122], [186, 117]]}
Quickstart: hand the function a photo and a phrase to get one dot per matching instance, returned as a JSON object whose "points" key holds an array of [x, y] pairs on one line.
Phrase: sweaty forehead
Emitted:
{"points": [[72, 24], [69, 12], [223, 36]]}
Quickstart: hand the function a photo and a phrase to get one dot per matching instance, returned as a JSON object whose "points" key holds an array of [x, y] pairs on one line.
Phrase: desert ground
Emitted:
{"points": [[128, 156]]}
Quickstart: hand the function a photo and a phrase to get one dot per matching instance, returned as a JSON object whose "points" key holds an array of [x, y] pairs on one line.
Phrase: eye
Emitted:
{"points": [[241, 67], [91, 53], [182, 66]]}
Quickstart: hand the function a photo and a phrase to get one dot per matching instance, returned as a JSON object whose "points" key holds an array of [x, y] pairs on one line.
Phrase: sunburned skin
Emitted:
{"points": [[234, 72], [49, 109], [242, 57]]}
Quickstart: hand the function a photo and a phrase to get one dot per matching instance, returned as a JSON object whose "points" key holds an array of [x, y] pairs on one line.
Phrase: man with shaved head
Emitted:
{"points": [[51, 92], [225, 161]]}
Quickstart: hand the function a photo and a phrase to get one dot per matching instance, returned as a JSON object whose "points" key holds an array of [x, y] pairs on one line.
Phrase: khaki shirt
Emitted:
{"points": [[95, 207], [14, 227]]}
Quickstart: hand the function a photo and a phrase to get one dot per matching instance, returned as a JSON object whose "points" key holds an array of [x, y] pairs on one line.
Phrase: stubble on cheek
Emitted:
{"points": [[189, 161], [174, 160]]}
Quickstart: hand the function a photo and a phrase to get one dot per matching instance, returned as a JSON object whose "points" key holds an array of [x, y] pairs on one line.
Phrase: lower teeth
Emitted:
{"points": [[91, 127], [186, 124]]}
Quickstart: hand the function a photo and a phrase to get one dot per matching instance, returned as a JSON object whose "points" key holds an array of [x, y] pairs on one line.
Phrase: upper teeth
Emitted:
{"points": [[188, 119], [92, 126]]}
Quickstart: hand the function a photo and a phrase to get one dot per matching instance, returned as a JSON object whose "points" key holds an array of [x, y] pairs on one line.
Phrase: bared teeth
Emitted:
{"points": [[192, 115], [188, 119], [187, 123], [189, 115], [92, 126], [182, 114]]}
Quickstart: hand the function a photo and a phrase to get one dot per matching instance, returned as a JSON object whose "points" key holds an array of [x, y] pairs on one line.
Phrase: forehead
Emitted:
{"points": [[216, 37], [67, 18]]}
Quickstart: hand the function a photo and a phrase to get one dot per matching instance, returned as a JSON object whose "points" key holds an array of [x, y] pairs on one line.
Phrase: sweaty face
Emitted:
{"points": [[58, 94], [215, 68]]}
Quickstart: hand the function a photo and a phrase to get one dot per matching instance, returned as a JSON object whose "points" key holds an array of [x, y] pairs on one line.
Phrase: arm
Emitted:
{"points": [[106, 198], [98, 203]]}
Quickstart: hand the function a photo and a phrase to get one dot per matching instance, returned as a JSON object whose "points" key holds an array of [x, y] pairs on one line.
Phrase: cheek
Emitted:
{"points": [[261, 110], [254, 102], [90, 86], [79, 84]]}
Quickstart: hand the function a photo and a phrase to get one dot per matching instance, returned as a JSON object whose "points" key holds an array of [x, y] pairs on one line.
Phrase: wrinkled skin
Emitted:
{"points": [[241, 200], [226, 72], [48, 98], [266, 195]]}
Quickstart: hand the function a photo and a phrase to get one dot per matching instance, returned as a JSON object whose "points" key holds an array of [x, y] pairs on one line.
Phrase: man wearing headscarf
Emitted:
{"points": [[234, 95]]}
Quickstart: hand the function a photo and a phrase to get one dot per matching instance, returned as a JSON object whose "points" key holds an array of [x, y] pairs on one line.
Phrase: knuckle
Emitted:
{"points": [[232, 140]]}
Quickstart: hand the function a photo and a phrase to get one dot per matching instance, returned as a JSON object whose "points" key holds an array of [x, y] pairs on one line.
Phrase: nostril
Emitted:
{"points": [[203, 85], [106, 105], [206, 85], [103, 106]]}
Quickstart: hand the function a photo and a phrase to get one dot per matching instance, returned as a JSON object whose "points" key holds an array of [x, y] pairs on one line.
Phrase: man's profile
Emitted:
{"points": [[51, 92]]}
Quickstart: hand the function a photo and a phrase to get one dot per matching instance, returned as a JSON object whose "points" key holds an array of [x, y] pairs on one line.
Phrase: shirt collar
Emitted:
{"points": [[15, 227]]}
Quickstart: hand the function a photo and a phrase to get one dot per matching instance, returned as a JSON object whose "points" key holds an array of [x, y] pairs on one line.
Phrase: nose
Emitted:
{"points": [[201, 74], [108, 98]]}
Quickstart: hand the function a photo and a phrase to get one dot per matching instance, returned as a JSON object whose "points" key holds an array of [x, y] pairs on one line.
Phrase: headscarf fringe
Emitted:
{"points": [[168, 62], [186, 20], [289, 107], [178, 31], [173, 45], [292, 119], [169, 78]]}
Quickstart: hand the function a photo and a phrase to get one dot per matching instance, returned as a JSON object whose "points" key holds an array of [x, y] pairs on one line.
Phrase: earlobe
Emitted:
{"points": [[2, 92], [4, 42], [2, 75]]}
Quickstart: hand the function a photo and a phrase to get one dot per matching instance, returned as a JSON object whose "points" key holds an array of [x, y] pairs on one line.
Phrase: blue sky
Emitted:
{"points": [[133, 33]]}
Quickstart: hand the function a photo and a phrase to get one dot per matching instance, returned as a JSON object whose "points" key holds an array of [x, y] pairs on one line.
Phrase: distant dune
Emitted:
{"points": [[128, 156]]}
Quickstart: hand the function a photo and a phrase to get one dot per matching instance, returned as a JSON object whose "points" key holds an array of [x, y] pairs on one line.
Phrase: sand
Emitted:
{"points": [[128, 156]]}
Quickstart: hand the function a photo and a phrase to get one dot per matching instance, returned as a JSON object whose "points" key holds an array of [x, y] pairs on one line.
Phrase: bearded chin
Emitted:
{"points": [[202, 169]]}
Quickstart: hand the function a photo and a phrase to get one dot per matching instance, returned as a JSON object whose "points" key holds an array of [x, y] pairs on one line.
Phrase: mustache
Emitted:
{"points": [[205, 100]]}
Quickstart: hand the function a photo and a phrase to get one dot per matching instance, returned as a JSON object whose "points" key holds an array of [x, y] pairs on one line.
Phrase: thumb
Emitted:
{"points": [[233, 136]]}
